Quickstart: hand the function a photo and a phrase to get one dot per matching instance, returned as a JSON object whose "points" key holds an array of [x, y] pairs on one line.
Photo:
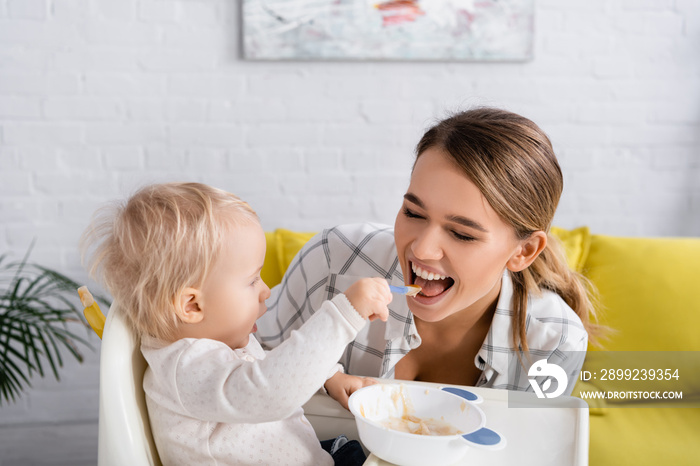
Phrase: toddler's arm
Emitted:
{"points": [[272, 388], [370, 298]]}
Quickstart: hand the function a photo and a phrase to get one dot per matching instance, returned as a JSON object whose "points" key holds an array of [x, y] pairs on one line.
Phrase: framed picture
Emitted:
{"points": [[445, 30]]}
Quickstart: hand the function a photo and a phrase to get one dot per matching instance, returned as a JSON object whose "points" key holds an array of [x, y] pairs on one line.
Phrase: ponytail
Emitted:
{"points": [[550, 272]]}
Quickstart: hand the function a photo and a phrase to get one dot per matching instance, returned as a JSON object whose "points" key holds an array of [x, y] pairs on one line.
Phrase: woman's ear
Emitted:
{"points": [[188, 306], [527, 252]]}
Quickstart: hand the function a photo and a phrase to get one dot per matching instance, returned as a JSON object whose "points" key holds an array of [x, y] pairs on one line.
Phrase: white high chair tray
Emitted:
{"points": [[535, 436]]}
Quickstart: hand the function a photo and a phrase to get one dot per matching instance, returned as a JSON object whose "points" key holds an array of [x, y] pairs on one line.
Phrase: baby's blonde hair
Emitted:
{"points": [[164, 239]]}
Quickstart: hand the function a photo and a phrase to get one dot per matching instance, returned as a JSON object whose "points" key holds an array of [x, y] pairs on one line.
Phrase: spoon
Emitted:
{"points": [[409, 290]]}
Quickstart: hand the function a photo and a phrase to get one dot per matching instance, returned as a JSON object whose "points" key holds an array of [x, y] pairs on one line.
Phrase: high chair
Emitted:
{"points": [[124, 437]]}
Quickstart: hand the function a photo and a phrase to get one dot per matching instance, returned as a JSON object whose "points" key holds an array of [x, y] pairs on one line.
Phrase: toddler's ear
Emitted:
{"points": [[187, 306]]}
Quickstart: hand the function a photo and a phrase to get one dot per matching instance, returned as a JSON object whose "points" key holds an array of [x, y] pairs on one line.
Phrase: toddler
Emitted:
{"points": [[183, 262]]}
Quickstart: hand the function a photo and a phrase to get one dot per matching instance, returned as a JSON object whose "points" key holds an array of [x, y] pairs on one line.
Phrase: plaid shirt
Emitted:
{"points": [[337, 257]]}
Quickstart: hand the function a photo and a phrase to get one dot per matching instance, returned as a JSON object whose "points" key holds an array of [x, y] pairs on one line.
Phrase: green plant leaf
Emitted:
{"points": [[37, 304]]}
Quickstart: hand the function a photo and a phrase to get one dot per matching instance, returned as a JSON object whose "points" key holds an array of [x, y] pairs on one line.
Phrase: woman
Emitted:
{"points": [[473, 233]]}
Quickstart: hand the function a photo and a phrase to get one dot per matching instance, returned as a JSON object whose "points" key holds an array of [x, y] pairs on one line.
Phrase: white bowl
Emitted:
{"points": [[374, 404]]}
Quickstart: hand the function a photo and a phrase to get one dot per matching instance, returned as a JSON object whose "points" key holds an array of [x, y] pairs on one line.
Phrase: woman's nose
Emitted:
{"points": [[426, 245]]}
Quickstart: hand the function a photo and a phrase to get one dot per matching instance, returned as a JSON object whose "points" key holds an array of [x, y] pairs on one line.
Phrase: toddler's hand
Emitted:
{"points": [[341, 386], [370, 298]]}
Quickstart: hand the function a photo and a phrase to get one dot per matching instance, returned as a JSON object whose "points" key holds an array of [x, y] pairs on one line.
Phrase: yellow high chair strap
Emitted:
{"points": [[92, 311]]}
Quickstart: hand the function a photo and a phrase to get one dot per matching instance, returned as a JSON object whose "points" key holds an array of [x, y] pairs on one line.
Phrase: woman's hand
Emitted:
{"points": [[341, 386], [370, 298]]}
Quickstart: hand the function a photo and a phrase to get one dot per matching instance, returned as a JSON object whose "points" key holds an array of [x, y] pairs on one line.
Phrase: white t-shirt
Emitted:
{"points": [[210, 404]]}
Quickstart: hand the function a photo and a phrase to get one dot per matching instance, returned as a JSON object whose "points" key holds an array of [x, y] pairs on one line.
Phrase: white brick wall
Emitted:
{"points": [[100, 96]]}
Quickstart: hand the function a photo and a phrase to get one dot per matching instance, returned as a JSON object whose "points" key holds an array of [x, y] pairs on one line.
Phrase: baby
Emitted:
{"points": [[183, 261]]}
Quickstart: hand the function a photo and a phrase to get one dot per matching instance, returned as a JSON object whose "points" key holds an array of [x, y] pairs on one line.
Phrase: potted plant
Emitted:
{"points": [[37, 306]]}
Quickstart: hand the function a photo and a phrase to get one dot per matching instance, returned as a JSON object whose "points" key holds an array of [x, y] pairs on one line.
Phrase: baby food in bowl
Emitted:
{"points": [[403, 418], [415, 425], [409, 424]]}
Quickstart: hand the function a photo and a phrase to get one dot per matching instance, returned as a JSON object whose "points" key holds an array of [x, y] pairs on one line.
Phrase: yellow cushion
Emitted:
{"points": [[645, 436], [282, 246], [576, 244], [648, 291]]}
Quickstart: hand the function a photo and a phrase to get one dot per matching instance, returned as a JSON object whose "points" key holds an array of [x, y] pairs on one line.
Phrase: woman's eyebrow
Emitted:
{"points": [[410, 197], [467, 222]]}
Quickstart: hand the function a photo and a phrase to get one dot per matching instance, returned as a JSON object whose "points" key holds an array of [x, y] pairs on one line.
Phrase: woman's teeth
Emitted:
{"points": [[425, 275]]}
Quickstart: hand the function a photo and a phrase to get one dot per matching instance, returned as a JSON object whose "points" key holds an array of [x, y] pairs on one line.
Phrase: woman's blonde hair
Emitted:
{"points": [[163, 239], [511, 160]]}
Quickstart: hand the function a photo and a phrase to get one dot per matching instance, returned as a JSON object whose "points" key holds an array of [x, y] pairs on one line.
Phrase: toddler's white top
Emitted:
{"points": [[210, 404]]}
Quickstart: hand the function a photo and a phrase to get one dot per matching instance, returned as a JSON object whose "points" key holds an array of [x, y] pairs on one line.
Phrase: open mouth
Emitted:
{"points": [[431, 284]]}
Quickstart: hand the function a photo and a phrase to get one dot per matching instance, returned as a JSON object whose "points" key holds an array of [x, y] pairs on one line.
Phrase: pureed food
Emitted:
{"points": [[416, 425], [413, 424]]}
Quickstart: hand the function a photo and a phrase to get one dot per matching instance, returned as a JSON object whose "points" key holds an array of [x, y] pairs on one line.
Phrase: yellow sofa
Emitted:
{"points": [[648, 295]]}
